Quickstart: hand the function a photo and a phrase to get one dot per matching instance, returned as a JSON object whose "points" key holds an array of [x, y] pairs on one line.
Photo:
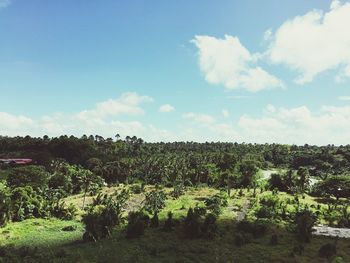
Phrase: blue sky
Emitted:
{"points": [[246, 71]]}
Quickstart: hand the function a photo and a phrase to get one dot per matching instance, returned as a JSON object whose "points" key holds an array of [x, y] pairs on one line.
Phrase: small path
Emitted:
{"points": [[241, 214], [332, 231]]}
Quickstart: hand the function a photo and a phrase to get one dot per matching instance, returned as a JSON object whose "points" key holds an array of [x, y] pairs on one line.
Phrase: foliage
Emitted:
{"points": [[61, 211], [178, 190], [27, 203], [169, 223], [154, 221], [327, 251], [216, 202], [155, 201], [337, 186], [257, 228], [209, 227], [136, 188], [192, 224], [32, 175], [5, 204], [137, 222], [304, 223], [101, 219]]}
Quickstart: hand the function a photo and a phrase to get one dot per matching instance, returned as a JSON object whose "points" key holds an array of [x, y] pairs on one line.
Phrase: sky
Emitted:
{"points": [[235, 71]]}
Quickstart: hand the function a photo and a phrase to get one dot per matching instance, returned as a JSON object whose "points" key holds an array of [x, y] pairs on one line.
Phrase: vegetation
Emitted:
{"points": [[134, 201]]}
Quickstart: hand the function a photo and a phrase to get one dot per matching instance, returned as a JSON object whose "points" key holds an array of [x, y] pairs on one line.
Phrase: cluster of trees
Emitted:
{"points": [[70, 165], [119, 160], [34, 192]]}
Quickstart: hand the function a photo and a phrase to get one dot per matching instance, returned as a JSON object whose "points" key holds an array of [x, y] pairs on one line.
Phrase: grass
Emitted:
{"points": [[3, 174], [56, 245], [159, 246], [40, 233]]}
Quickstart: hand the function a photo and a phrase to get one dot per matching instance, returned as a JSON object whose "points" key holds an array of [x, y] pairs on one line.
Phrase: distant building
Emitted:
{"points": [[15, 161]]}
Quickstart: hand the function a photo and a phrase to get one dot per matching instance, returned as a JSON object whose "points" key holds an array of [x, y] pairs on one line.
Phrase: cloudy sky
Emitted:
{"points": [[201, 70]]}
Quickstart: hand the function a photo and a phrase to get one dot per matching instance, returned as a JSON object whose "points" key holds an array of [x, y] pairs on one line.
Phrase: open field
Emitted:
{"points": [[156, 245]]}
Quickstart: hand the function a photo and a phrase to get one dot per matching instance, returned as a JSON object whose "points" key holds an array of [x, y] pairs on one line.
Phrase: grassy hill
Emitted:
{"points": [[53, 240]]}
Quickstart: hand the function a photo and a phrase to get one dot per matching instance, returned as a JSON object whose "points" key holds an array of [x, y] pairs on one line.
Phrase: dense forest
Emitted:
{"points": [[306, 185]]}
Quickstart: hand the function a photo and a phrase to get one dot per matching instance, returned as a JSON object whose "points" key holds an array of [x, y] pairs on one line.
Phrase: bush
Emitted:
{"points": [[192, 226], [155, 201], [137, 222], [169, 223], [136, 189], [327, 251], [214, 203], [241, 239], [179, 190], [274, 240], [154, 221], [257, 229], [69, 228], [32, 175], [100, 219], [61, 211], [26, 203], [304, 223], [95, 228], [5, 204], [60, 180], [264, 212], [209, 228]]}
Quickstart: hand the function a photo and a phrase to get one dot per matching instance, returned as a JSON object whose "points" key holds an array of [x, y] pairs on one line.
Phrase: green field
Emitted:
{"points": [[40, 240]]}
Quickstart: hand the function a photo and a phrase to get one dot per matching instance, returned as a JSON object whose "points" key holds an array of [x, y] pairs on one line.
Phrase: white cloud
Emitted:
{"points": [[128, 103], [346, 98], [300, 125], [330, 125], [237, 97], [103, 120], [4, 3], [227, 62], [314, 43], [12, 123], [204, 119], [225, 113], [268, 34], [166, 108], [270, 108]]}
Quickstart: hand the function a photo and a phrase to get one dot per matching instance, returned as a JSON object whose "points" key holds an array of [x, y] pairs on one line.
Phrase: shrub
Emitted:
{"points": [[274, 240], [154, 221], [209, 226], [137, 222], [136, 188], [5, 204], [169, 223], [60, 180], [61, 211], [264, 212], [257, 228], [298, 249], [192, 225], [155, 201], [100, 219], [214, 203], [69, 228], [26, 203], [240, 239], [179, 190], [327, 251], [95, 228], [304, 223], [32, 175]]}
